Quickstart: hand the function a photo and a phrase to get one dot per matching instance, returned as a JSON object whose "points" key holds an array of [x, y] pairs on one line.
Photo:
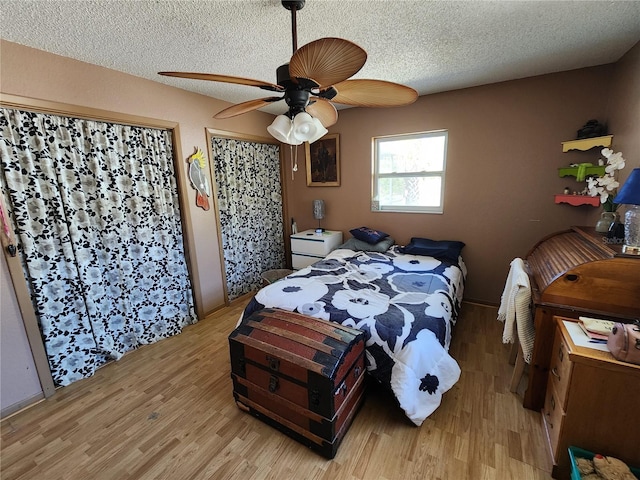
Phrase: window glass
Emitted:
{"points": [[408, 172]]}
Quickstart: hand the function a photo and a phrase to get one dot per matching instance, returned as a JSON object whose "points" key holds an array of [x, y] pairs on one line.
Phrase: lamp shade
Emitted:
{"points": [[280, 128], [629, 194], [304, 127], [320, 131], [318, 209]]}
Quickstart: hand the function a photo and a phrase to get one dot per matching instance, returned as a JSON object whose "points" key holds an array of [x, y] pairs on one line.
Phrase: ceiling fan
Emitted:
{"points": [[315, 78]]}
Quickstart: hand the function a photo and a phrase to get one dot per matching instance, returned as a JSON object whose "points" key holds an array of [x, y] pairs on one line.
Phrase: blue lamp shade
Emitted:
{"points": [[629, 194]]}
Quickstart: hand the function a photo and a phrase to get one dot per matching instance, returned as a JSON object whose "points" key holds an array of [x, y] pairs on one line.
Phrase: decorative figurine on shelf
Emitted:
{"points": [[592, 129], [567, 191]]}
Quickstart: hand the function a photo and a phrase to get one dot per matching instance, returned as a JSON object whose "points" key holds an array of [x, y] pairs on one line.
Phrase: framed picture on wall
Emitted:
{"points": [[323, 161]]}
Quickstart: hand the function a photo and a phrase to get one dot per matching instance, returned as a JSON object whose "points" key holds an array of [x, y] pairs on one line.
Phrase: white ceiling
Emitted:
{"points": [[432, 46]]}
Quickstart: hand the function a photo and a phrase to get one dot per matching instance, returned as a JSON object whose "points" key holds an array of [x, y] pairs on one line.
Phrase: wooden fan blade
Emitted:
{"points": [[225, 78], [327, 61], [323, 110], [244, 107], [373, 93]]}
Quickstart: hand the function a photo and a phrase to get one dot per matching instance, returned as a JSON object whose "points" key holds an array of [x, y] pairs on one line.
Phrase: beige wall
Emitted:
{"points": [[17, 368], [40, 75], [504, 148], [624, 113], [503, 152]]}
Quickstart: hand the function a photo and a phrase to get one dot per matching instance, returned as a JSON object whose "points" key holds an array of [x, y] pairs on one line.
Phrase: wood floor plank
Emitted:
{"points": [[166, 411]]}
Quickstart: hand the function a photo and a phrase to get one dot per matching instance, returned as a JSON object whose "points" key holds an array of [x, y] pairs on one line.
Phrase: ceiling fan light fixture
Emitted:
{"points": [[280, 128], [317, 75], [306, 128], [320, 131]]}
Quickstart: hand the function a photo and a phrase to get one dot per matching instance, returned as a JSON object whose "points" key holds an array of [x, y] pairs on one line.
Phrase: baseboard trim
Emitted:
{"points": [[21, 405], [480, 303]]}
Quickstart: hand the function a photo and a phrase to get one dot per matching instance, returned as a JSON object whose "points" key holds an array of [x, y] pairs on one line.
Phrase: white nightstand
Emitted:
{"points": [[308, 247]]}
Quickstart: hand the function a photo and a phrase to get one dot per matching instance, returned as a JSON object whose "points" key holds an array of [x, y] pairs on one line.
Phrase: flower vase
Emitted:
{"points": [[605, 222]]}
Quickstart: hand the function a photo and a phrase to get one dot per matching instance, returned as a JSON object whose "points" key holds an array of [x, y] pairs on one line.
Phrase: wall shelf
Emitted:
{"points": [[596, 170], [576, 200], [587, 143]]}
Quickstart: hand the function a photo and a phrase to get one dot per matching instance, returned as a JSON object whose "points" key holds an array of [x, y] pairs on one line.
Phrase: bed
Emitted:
{"points": [[406, 304]]}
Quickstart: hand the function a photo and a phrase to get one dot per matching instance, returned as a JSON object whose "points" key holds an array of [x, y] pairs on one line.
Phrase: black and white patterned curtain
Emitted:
{"points": [[249, 197], [96, 211]]}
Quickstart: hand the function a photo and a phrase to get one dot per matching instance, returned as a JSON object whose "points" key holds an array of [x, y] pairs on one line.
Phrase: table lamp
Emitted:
{"points": [[318, 213], [629, 195]]}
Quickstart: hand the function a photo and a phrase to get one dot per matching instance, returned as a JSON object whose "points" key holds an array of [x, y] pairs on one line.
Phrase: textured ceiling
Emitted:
{"points": [[432, 46]]}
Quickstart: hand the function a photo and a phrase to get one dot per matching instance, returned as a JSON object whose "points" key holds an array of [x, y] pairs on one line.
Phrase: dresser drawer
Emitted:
{"points": [[560, 369], [300, 261], [309, 247], [314, 245], [553, 416]]}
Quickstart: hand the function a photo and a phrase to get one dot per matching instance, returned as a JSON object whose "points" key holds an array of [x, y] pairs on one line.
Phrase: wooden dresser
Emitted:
{"points": [[575, 273], [591, 401]]}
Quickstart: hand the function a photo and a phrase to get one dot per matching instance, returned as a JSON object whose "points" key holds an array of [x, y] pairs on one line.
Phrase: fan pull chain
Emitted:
{"points": [[294, 161]]}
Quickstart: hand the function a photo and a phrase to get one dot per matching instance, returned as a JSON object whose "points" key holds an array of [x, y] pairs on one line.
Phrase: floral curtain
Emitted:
{"points": [[96, 211], [249, 199]]}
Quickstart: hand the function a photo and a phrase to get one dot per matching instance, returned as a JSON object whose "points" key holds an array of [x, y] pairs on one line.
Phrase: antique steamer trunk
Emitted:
{"points": [[301, 375]]}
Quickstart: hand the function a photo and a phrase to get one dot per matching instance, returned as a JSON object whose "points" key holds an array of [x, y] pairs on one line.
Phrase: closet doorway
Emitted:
{"points": [[249, 201], [97, 220]]}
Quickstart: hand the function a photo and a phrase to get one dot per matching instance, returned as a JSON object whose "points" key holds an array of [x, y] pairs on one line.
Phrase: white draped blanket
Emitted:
{"points": [[515, 309]]}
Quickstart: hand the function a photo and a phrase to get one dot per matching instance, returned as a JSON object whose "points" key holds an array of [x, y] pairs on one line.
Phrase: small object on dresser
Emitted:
{"points": [[567, 191], [318, 214], [616, 232], [596, 325], [629, 195], [624, 342]]}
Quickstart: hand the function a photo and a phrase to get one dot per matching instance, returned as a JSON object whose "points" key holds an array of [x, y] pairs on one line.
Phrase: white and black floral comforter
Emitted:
{"points": [[407, 306]]}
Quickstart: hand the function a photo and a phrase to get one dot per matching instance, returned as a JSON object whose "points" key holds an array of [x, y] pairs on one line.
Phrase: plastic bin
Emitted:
{"points": [[576, 452]]}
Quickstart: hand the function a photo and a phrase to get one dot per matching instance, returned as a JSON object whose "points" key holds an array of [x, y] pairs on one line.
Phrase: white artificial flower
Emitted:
{"points": [[613, 185], [615, 162], [601, 186], [608, 182]]}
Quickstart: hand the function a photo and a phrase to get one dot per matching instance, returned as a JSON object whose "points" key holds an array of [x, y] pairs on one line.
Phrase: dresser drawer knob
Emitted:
{"points": [[554, 372]]}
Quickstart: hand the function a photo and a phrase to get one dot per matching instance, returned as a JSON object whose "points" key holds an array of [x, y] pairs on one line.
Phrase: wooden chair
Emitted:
{"points": [[516, 358]]}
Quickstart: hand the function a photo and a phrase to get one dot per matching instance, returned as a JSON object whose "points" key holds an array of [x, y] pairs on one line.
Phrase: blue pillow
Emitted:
{"points": [[360, 246], [440, 249], [368, 235]]}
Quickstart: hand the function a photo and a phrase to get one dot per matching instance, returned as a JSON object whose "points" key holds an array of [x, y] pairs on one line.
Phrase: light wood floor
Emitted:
{"points": [[166, 411]]}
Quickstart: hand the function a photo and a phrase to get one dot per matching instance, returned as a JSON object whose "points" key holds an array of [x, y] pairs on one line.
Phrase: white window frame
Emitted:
{"points": [[376, 175]]}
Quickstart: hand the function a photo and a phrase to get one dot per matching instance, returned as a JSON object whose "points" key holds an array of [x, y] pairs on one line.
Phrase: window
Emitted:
{"points": [[408, 172]]}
